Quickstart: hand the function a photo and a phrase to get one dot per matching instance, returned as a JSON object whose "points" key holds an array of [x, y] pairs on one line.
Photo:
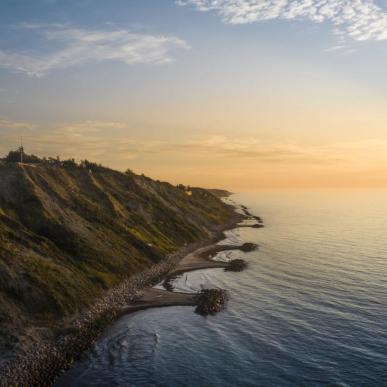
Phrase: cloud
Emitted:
{"points": [[90, 126], [6, 124], [254, 151], [358, 19], [75, 46], [110, 142], [116, 143]]}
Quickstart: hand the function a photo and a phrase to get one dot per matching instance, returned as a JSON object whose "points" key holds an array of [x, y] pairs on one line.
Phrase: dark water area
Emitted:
{"points": [[310, 310]]}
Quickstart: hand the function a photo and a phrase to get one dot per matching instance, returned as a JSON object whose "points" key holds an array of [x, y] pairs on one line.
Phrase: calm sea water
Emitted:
{"points": [[311, 310]]}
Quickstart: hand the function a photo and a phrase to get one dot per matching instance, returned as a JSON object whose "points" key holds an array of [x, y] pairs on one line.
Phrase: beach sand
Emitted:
{"points": [[196, 260]]}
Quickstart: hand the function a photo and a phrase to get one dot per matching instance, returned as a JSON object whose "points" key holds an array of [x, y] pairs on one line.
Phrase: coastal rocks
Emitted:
{"points": [[257, 218], [250, 216], [236, 265], [247, 247], [210, 301], [255, 225], [43, 363], [258, 225], [167, 284]]}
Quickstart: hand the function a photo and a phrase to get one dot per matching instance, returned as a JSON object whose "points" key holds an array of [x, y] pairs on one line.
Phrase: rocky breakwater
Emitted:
{"points": [[44, 362], [210, 301]]}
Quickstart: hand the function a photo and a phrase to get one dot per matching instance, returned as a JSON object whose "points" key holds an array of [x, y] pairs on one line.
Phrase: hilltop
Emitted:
{"points": [[69, 232], [220, 193]]}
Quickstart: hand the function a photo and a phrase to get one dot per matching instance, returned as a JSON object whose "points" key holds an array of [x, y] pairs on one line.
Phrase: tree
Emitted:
{"points": [[15, 157]]}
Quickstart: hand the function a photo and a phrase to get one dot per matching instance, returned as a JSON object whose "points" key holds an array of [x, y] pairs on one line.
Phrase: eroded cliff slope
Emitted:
{"points": [[67, 233]]}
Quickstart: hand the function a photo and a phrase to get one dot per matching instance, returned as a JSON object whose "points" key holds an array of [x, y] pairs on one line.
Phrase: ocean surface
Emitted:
{"points": [[310, 310]]}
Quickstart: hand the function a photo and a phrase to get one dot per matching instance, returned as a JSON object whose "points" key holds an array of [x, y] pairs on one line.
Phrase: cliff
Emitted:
{"points": [[68, 233]]}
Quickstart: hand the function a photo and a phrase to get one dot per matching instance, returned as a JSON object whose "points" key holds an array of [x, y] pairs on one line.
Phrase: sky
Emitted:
{"points": [[236, 94]]}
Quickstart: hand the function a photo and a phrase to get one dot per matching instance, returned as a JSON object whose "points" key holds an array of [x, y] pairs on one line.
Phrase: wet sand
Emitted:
{"points": [[196, 260], [202, 258], [152, 298]]}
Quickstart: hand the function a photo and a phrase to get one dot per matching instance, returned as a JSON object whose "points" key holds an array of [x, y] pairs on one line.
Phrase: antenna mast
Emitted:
{"points": [[21, 149]]}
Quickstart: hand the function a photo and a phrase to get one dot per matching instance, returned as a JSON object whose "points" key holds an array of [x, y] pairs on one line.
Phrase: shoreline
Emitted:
{"points": [[45, 362], [197, 260], [202, 258], [156, 298]]}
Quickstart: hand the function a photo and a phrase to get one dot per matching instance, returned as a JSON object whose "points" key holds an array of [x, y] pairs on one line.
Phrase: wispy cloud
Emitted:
{"points": [[251, 149], [110, 142], [254, 151], [7, 124], [358, 19], [74, 46], [90, 126], [117, 143]]}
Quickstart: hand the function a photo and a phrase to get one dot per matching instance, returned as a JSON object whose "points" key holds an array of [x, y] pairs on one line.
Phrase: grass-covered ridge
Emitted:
{"points": [[68, 232]]}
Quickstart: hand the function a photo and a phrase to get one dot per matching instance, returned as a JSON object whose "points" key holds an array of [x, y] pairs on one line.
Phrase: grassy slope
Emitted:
{"points": [[67, 234]]}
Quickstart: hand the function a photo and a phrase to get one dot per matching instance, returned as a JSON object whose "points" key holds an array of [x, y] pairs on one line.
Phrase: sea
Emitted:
{"points": [[310, 309]]}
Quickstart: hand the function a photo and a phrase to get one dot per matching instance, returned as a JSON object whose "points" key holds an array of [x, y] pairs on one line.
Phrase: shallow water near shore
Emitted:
{"points": [[310, 310]]}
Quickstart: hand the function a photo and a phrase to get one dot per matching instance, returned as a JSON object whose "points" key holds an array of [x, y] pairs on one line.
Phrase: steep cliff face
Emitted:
{"points": [[68, 233]]}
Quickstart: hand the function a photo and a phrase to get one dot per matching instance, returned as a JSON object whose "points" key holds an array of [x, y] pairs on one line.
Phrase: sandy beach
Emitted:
{"points": [[152, 298], [201, 258]]}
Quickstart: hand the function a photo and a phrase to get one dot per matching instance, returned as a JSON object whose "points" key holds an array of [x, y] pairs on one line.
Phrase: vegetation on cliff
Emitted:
{"points": [[70, 231]]}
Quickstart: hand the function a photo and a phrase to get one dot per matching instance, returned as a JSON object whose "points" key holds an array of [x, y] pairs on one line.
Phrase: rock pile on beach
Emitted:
{"points": [[247, 247], [210, 301], [236, 265], [258, 225]]}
